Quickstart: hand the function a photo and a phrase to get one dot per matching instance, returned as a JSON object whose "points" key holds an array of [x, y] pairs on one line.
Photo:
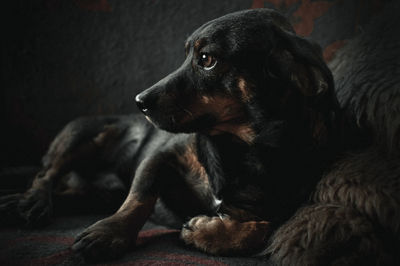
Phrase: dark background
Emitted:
{"points": [[66, 58]]}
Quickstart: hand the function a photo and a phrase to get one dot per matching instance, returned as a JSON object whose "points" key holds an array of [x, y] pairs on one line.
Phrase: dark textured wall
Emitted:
{"points": [[67, 58]]}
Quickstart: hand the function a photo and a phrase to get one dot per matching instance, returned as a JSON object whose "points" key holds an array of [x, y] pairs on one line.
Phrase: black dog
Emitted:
{"points": [[260, 124]]}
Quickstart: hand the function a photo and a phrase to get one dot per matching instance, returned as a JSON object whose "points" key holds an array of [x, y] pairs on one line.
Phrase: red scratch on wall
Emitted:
{"points": [[257, 4], [94, 5], [332, 48], [307, 13], [276, 3]]}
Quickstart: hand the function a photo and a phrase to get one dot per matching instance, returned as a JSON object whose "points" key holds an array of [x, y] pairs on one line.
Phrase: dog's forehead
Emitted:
{"points": [[240, 23]]}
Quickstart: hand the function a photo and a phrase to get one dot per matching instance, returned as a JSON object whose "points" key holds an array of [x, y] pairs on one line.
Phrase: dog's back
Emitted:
{"points": [[360, 193], [367, 78]]}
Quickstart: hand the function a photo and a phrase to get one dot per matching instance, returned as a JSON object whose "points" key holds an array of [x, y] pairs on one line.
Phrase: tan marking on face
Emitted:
{"points": [[241, 131], [244, 89], [224, 108], [197, 44], [228, 110]]}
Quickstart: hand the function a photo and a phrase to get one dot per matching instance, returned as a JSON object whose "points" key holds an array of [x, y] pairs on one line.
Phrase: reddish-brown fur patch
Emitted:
{"points": [[223, 235]]}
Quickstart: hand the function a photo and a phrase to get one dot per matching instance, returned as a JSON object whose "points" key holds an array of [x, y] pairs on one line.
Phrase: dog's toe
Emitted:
{"points": [[9, 203], [35, 207], [40, 214]]}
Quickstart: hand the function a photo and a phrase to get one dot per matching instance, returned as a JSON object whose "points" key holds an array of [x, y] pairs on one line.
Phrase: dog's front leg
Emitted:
{"points": [[115, 235]]}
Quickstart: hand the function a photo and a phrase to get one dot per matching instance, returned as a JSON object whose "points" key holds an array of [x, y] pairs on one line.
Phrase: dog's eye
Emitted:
{"points": [[207, 61]]}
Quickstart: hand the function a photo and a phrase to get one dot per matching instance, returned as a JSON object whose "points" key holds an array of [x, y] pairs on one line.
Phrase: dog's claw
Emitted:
{"points": [[80, 244]]}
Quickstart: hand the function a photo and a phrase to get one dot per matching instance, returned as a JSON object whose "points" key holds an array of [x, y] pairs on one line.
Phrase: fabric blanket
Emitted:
{"points": [[51, 246]]}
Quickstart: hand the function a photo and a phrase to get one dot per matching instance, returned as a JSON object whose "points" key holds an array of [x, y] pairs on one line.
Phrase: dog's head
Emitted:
{"points": [[241, 72]]}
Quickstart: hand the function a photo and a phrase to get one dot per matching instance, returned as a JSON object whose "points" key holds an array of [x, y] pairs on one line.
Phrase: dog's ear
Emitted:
{"points": [[300, 61]]}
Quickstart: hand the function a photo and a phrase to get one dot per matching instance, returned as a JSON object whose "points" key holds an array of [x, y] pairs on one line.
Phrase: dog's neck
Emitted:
{"points": [[233, 167], [273, 144]]}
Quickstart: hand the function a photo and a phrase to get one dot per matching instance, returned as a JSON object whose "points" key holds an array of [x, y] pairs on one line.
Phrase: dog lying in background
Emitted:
{"points": [[240, 136]]}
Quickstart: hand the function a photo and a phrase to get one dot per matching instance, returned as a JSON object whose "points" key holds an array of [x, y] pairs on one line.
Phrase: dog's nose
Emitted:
{"points": [[140, 103]]}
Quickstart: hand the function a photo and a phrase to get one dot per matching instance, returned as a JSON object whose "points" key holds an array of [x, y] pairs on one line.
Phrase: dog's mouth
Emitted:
{"points": [[209, 115], [209, 124], [171, 123]]}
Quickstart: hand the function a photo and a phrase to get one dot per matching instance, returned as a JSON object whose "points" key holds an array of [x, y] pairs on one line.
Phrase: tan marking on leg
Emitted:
{"points": [[135, 211], [133, 202], [191, 160], [107, 136]]}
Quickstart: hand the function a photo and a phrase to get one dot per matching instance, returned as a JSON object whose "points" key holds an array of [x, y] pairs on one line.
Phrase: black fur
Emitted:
{"points": [[258, 141]]}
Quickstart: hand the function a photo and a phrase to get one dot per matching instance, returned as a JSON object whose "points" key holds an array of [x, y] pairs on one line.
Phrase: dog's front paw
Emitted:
{"points": [[35, 207], [107, 239], [225, 236]]}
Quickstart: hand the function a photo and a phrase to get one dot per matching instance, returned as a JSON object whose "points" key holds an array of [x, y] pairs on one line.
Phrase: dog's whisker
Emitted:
{"points": [[187, 111]]}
